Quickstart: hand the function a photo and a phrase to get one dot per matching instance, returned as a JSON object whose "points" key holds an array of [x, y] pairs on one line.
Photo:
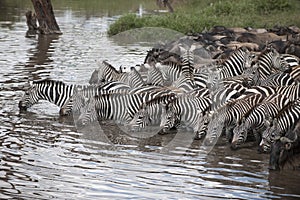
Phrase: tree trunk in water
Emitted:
{"points": [[168, 5], [45, 15]]}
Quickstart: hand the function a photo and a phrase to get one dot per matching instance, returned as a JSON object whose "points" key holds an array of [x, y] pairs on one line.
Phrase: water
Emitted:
{"points": [[44, 156]]}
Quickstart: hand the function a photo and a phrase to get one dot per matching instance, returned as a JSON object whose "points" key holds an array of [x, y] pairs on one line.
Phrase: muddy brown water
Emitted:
{"points": [[44, 156]]}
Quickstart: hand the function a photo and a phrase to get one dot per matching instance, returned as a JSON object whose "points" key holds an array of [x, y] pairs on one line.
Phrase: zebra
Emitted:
{"points": [[236, 63], [187, 68], [153, 92], [264, 90], [295, 73], [56, 92], [171, 71], [269, 61], [223, 95], [106, 73], [62, 94], [254, 119], [132, 101], [80, 96], [201, 79], [278, 79], [154, 77], [291, 91], [199, 92], [228, 115], [134, 79], [226, 70], [150, 111], [291, 60], [156, 55], [185, 110], [118, 107], [184, 84], [281, 123]]}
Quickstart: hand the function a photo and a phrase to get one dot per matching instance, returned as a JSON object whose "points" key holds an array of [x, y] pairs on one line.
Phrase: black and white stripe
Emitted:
{"points": [[56, 92], [106, 73], [118, 107], [82, 94], [236, 63], [185, 110], [285, 120], [255, 118]]}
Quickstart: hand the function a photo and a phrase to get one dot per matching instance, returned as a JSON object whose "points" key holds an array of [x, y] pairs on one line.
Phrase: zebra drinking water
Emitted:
{"points": [[185, 110], [116, 106], [286, 119], [255, 118], [61, 94], [56, 92]]}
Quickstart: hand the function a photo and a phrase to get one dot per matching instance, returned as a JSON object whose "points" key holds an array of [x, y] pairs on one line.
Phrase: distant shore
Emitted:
{"points": [[195, 17]]}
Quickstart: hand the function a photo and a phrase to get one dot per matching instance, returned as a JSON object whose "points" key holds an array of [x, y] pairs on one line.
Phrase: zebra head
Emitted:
{"points": [[281, 64], [278, 61], [269, 135], [141, 119], [107, 73], [88, 113], [249, 58], [252, 74], [239, 135], [169, 121], [201, 130], [31, 96]]}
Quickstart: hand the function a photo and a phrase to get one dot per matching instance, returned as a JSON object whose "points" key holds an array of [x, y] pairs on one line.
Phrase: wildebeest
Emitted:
{"points": [[285, 148]]}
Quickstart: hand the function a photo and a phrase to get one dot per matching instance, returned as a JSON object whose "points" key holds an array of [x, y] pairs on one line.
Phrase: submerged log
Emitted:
{"points": [[45, 16]]}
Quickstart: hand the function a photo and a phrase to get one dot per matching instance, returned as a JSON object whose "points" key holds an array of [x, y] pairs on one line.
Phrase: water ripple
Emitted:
{"points": [[44, 156]]}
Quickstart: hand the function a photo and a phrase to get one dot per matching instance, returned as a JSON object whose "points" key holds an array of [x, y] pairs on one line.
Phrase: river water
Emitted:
{"points": [[44, 156]]}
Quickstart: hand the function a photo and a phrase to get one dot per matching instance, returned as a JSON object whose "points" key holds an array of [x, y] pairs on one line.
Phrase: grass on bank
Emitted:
{"points": [[194, 17]]}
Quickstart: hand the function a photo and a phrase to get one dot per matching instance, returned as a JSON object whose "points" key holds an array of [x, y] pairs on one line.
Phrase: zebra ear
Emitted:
{"points": [[120, 69]]}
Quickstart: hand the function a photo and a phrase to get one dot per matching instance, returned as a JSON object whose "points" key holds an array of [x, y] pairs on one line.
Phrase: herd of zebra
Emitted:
{"points": [[244, 95]]}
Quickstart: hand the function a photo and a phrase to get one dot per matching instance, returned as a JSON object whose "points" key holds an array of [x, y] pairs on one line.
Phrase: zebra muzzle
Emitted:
{"points": [[22, 107]]}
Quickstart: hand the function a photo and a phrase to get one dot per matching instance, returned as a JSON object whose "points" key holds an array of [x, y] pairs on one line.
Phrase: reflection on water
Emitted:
{"points": [[44, 156]]}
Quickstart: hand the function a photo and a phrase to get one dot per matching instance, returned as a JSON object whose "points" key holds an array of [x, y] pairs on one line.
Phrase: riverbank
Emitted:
{"points": [[194, 17]]}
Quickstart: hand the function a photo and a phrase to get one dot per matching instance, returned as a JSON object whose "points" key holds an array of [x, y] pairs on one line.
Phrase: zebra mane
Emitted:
{"points": [[49, 81], [150, 53], [110, 66], [222, 61], [172, 64]]}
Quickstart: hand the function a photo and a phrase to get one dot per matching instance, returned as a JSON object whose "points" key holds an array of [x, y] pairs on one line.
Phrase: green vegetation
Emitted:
{"points": [[196, 15]]}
